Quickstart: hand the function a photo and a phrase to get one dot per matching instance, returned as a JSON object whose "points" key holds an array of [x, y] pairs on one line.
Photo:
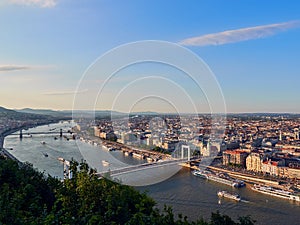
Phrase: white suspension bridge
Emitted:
{"points": [[185, 156]]}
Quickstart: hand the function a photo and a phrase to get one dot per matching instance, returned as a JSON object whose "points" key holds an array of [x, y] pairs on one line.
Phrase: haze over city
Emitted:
{"points": [[251, 47]]}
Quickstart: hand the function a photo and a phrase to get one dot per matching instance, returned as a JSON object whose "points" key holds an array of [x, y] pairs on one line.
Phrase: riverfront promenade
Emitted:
{"points": [[246, 177], [3, 151], [107, 144], [252, 179]]}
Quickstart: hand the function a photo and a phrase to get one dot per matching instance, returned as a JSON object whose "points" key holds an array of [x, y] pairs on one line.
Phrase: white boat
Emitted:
{"points": [[225, 194], [138, 155], [220, 178], [43, 142], [61, 159], [268, 190], [226, 180], [201, 173], [105, 163]]}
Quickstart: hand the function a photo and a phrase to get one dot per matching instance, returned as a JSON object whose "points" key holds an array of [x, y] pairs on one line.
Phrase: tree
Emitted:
{"points": [[29, 197]]}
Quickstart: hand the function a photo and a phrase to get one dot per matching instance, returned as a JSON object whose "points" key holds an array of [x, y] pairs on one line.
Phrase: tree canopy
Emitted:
{"points": [[30, 197]]}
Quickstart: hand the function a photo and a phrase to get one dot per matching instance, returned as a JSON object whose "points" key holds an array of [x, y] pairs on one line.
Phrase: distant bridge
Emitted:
{"points": [[144, 166], [47, 132], [61, 132]]}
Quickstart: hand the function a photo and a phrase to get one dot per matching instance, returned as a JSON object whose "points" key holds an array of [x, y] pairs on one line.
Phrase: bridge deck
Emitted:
{"points": [[143, 166], [49, 132]]}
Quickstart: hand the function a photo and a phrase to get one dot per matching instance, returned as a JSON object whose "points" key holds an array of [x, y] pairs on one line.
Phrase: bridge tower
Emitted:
{"points": [[21, 134], [188, 149], [60, 133]]}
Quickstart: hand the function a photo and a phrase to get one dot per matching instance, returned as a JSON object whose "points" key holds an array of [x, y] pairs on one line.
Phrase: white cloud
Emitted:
{"points": [[66, 92], [244, 34], [7, 68], [39, 3]]}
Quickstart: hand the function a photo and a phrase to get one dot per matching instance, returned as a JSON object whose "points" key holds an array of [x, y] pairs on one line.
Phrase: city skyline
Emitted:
{"points": [[251, 48]]}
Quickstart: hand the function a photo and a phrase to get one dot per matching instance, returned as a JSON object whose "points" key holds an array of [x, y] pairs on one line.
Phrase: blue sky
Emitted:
{"points": [[252, 47]]}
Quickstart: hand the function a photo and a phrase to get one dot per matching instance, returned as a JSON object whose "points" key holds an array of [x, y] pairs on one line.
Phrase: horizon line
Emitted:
{"points": [[109, 110]]}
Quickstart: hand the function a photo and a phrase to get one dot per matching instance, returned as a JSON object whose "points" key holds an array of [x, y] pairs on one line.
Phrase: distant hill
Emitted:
{"points": [[44, 112], [108, 113], [145, 113], [4, 110], [70, 113], [82, 113], [12, 114]]}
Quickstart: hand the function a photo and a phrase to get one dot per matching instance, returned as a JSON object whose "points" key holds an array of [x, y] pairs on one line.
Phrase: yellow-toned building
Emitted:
{"points": [[254, 162]]}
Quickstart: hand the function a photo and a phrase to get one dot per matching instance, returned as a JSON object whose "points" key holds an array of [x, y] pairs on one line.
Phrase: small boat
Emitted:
{"points": [[138, 155], [64, 161], [43, 142], [201, 173], [225, 194], [61, 159], [105, 163], [45, 154]]}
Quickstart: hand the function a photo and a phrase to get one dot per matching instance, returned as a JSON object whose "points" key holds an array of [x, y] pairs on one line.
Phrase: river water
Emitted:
{"points": [[187, 194]]}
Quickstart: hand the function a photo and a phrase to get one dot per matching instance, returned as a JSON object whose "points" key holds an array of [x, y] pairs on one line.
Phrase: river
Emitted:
{"points": [[187, 194]]}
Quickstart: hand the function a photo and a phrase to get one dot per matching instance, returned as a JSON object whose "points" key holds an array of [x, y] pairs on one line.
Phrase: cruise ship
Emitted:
{"points": [[225, 194], [276, 192], [220, 178]]}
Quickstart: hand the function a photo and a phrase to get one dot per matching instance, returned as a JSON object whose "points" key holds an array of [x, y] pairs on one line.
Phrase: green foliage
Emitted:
{"points": [[26, 195], [159, 149], [29, 197]]}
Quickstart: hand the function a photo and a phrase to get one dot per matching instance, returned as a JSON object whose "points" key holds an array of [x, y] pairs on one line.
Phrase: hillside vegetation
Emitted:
{"points": [[29, 197]]}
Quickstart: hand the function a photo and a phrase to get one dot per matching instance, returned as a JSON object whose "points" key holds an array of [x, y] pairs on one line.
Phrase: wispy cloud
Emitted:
{"points": [[244, 34], [8, 68], [65, 92], [39, 3], [16, 67]]}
